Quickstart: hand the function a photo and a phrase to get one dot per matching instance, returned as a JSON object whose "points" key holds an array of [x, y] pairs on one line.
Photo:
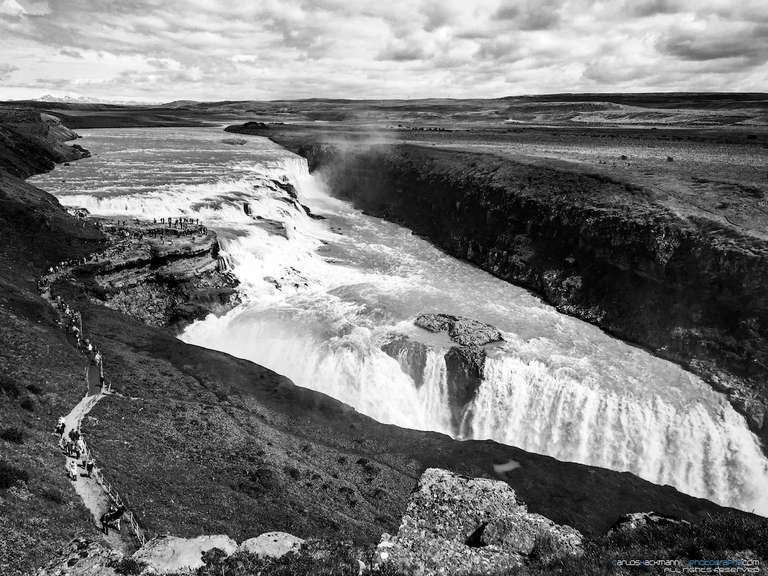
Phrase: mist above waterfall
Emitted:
{"points": [[322, 297]]}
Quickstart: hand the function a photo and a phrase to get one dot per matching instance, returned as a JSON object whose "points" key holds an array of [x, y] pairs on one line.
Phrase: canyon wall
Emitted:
{"points": [[687, 288]]}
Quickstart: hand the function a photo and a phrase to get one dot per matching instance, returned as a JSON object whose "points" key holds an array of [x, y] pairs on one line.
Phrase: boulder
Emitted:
{"points": [[83, 557], [458, 525], [172, 554], [635, 520], [272, 544], [463, 331]]}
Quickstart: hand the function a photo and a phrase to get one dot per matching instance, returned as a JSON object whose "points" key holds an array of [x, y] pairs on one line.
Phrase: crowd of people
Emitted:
{"points": [[71, 441], [73, 446], [164, 229]]}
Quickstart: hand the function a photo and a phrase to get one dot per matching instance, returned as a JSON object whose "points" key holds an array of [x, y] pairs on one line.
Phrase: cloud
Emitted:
{"points": [[718, 40], [6, 70], [218, 49], [70, 53], [530, 14]]}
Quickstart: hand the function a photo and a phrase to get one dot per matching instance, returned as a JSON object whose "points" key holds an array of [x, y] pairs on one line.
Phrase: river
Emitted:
{"points": [[321, 296]]}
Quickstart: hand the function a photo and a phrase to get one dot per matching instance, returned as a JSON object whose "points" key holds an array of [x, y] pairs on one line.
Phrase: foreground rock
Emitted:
{"points": [[165, 555], [272, 545], [83, 557], [172, 554], [457, 525], [636, 520]]}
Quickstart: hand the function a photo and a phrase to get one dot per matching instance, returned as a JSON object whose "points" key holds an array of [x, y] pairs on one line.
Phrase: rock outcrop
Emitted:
{"points": [[463, 331], [161, 283], [635, 520], [83, 557], [457, 525], [464, 363], [272, 545], [410, 354], [163, 555], [32, 142], [171, 554]]}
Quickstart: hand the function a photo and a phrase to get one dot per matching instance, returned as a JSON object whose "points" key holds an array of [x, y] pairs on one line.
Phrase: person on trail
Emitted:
{"points": [[89, 464], [71, 450], [112, 516], [60, 426], [81, 446], [71, 469]]}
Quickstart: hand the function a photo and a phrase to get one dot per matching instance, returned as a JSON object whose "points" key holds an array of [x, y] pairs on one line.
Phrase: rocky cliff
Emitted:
{"points": [[32, 142], [688, 288], [159, 275]]}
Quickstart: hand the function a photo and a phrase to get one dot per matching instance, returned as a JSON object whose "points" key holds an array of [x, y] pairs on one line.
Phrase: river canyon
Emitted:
{"points": [[326, 289]]}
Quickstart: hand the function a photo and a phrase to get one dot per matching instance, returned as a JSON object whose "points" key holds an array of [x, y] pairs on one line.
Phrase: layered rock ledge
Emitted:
{"points": [[160, 275]]}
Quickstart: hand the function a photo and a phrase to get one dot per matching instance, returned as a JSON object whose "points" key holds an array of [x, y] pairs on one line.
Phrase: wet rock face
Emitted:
{"points": [[163, 285], [458, 525], [464, 363], [411, 355], [464, 366]]}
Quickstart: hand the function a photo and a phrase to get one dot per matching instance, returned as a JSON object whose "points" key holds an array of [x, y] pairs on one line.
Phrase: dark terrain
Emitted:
{"points": [[202, 442]]}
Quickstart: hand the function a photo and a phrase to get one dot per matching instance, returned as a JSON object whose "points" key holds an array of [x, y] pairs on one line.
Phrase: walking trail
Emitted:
{"points": [[93, 490]]}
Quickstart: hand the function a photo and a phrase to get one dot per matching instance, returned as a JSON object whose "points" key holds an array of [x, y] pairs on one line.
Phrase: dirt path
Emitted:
{"points": [[90, 491]]}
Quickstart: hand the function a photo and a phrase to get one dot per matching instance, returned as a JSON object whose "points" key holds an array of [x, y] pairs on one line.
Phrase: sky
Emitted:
{"points": [[163, 50]]}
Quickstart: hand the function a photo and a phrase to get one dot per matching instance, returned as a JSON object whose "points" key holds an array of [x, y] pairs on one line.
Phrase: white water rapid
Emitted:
{"points": [[321, 297]]}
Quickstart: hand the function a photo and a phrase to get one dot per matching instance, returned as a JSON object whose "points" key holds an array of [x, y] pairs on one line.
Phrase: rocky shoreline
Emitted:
{"points": [[686, 288]]}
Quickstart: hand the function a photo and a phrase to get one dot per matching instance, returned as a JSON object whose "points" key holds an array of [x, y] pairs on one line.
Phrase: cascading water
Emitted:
{"points": [[322, 298]]}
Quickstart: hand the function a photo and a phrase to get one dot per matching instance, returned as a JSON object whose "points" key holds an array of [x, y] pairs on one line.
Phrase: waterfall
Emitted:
{"points": [[700, 450], [343, 361], [323, 300]]}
